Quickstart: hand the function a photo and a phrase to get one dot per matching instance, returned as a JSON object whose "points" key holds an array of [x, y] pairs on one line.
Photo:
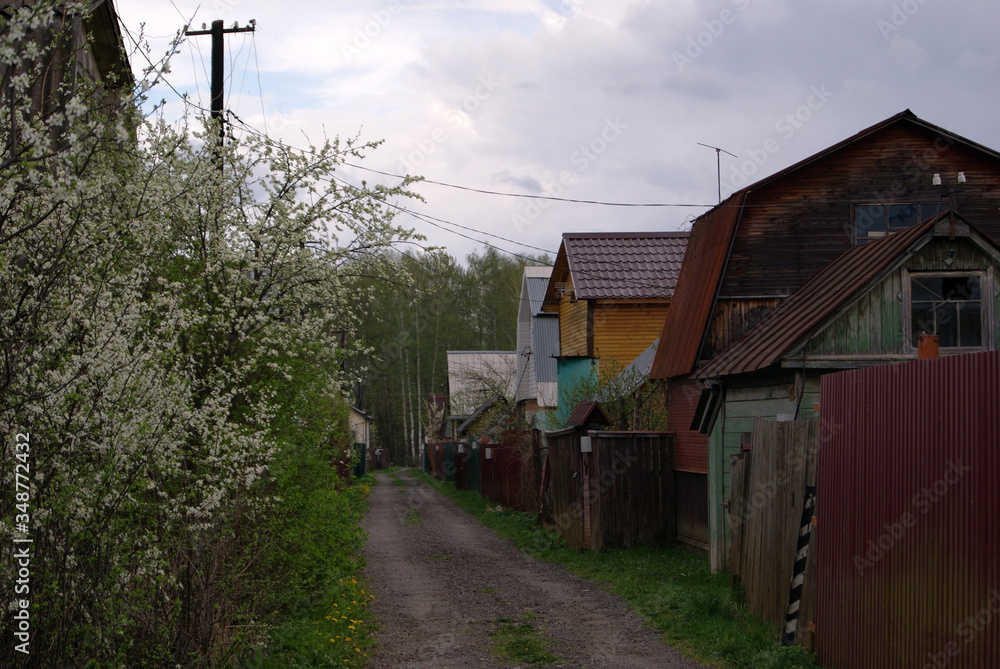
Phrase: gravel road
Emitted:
{"points": [[442, 581]]}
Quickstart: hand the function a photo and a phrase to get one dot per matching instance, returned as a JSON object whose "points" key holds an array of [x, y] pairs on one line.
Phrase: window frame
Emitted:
{"points": [[936, 205], [985, 277]]}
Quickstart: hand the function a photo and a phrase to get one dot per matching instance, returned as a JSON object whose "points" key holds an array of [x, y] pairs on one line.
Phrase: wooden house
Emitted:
{"points": [[611, 292], [868, 307], [747, 255], [86, 49]]}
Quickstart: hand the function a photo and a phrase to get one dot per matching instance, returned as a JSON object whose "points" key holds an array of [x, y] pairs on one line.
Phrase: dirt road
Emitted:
{"points": [[443, 583]]}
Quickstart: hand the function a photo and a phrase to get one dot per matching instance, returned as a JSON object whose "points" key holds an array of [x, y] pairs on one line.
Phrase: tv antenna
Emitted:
{"points": [[718, 163]]}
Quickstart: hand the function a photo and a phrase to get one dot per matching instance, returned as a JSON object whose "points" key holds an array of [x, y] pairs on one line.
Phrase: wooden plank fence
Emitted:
{"points": [[620, 494], [769, 487]]}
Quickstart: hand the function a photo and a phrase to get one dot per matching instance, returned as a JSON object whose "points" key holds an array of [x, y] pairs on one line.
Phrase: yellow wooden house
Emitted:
{"points": [[611, 291]]}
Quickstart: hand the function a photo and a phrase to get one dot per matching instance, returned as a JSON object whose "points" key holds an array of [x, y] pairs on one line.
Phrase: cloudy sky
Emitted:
{"points": [[601, 100]]}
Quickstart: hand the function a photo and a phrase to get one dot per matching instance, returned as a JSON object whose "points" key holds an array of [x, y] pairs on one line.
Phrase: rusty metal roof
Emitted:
{"points": [[618, 265], [688, 316], [823, 295]]}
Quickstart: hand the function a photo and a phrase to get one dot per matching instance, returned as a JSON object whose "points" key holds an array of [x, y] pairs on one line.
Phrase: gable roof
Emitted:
{"points": [[832, 288], [711, 242], [364, 416], [588, 412], [618, 265]]}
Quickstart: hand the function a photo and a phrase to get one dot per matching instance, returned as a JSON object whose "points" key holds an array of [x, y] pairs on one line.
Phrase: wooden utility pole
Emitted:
{"points": [[218, 65]]}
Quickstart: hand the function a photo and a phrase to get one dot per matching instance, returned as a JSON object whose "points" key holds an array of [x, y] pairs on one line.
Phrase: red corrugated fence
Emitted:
{"points": [[908, 536]]}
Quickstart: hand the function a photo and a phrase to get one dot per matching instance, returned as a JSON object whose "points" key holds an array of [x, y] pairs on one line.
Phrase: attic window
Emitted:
{"points": [[875, 221], [949, 306], [561, 288]]}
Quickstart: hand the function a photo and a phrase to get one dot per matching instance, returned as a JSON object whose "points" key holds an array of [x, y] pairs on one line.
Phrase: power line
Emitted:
{"points": [[535, 197]]}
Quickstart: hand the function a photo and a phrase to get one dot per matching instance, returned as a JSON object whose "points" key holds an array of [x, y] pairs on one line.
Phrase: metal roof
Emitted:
{"points": [[708, 252], [833, 287], [536, 286], [545, 346], [691, 307], [634, 375], [618, 265]]}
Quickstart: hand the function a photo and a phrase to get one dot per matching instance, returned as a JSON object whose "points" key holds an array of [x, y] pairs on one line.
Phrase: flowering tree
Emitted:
{"points": [[171, 316]]}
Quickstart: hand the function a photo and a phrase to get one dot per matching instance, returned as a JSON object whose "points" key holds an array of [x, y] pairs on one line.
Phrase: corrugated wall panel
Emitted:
{"points": [[908, 573], [690, 446]]}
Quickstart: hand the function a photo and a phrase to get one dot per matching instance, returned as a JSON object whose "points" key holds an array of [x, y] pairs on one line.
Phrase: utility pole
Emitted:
{"points": [[718, 163], [218, 66]]}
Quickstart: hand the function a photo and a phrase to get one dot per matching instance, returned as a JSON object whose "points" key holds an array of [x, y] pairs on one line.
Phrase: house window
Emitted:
{"points": [[949, 306], [874, 221]]}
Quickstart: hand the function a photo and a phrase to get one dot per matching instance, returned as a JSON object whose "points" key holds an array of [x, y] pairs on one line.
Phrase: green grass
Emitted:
{"points": [[521, 643], [332, 629], [673, 588], [413, 516]]}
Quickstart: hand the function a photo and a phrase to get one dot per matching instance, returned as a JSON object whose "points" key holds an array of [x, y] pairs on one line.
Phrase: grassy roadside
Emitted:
{"points": [[671, 587], [334, 628]]}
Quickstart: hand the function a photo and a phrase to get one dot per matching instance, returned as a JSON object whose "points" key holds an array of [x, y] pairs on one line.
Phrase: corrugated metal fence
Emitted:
{"points": [[907, 538], [620, 494], [511, 470]]}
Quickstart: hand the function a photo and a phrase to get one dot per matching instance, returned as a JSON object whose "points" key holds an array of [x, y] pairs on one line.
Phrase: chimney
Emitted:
{"points": [[927, 346]]}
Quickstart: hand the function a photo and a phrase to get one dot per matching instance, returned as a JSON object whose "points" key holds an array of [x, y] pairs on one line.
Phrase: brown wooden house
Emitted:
{"points": [[763, 243]]}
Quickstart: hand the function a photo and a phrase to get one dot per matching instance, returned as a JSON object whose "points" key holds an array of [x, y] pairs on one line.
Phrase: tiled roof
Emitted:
{"points": [[625, 265], [832, 288]]}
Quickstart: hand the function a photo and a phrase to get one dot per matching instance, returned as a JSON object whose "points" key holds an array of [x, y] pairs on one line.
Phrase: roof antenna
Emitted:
{"points": [[718, 163]]}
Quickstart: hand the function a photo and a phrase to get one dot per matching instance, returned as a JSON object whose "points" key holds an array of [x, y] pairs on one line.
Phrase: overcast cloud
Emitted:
{"points": [[588, 99]]}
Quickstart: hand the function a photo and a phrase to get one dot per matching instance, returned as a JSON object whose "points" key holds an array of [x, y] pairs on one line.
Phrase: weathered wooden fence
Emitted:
{"points": [[510, 470], [619, 494], [770, 484]]}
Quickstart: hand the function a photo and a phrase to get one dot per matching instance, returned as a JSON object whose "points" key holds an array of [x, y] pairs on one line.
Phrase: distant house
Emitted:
{"points": [[477, 378], [764, 243], [611, 292], [537, 345], [361, 427]]}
